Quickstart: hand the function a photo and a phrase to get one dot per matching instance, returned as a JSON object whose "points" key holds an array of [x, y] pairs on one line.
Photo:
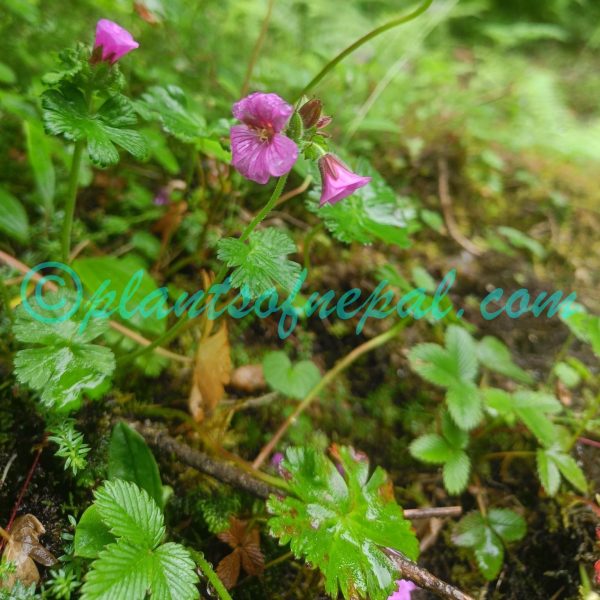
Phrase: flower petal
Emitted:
{"points": [[263, 111], [281, 155], [246, 150], [258, 159], [114, 40]]}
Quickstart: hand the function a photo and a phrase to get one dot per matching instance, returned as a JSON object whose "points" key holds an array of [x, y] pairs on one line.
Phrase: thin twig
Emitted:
{"points": [[232, 475], [424, 579], [446, 203]]}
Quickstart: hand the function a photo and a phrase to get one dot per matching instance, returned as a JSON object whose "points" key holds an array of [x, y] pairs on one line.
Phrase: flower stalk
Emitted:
{"points": [[71, 200]]}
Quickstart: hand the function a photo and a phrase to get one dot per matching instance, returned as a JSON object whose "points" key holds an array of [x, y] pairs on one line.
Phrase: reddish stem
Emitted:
{"points": [[25, 485], [588, 442]]}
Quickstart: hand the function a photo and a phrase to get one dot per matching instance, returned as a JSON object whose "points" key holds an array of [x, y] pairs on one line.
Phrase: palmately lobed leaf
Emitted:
{"points": [[342, 523], [260, 264], [66, 112], [63, 365]]}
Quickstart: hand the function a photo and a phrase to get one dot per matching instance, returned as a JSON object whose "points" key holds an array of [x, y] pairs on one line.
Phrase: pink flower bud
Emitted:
{"points": [[114, 41], [311, 112], [338, 181]]}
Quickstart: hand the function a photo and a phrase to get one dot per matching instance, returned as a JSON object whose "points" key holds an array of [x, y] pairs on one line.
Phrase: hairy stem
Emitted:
{"points": [[212, 577], [71, 199], [340, 366], [363, 40]]}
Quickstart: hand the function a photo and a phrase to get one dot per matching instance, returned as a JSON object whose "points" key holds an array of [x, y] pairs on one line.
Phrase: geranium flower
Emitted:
{"points": [[404, 591], [114, 41], [259, 148], [338, 181]]}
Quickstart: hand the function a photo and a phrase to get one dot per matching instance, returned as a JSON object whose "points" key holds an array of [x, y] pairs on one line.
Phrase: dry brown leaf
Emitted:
{"points": [[248, 379], [23, 548], [211, 373], [168, 224], [245, 543]]}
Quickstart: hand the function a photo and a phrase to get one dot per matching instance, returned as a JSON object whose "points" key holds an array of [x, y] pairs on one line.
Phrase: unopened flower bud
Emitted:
{"points": [[311, 112], [112, 42]]}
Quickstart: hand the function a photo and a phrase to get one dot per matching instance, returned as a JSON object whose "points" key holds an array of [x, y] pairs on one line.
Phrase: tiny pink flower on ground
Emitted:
{"points": [[114, 41], [338, 181], [258, 147], [404, 591]]}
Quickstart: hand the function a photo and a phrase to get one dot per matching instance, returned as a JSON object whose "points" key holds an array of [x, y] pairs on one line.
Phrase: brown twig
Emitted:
{"points": [[424, 579], [204, 463], [446, 203], [11, 261], [257, 47], [232, 475]]}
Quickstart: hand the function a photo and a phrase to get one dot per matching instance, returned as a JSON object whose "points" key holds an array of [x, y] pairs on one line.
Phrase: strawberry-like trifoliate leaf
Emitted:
{"points": [[64, 364], [261, 263], [342, 523], [448, 450], [527, 406], [455, 368], [130, 513], [495, 355], [554, 462], [66, 112], [135, 566], [486, 536]]}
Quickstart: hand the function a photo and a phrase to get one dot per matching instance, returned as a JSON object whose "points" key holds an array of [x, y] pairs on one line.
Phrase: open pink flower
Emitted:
{"points": [[115, 41], [259, 148], [404, 591], [338, 181]]}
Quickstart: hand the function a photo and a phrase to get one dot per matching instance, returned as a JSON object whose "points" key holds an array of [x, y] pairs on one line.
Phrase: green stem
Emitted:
{"points": [[266, 209], [171, 333], [212, 577], [71, 199], [363, 40]]}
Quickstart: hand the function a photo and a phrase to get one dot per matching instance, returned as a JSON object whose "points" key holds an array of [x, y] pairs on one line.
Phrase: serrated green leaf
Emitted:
{"points": [[434, 364], [373, 212], [464, 404], [569, 469], [169, 105], [66, 113], [260, 264], [129, 512], [499, 403], [130, 459], [547, 472], [494, 355], [469, 531], [431, 448], [567, 374], [14, 222], [457, 438], [456, 472], [294, 381], [122, 570], [341, 524], [173, 574], [65, 364], [461, 346], [91, 534], [490, 554], [507, 524]]}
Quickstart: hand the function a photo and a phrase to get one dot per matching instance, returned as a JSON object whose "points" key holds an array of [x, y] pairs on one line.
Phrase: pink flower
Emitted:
{"points": [[115, 41], [338, 181], [259, 148], [405, 588]]}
